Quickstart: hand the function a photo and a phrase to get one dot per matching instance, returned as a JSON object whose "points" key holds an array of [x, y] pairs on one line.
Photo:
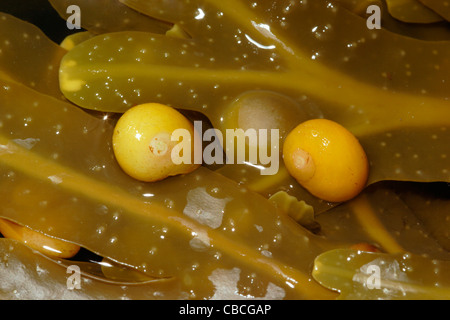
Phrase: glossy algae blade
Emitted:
{"points": [[28, 56], [305, 76], [134, 67], [412, 154], [431, 204], [102, 16], [329, 37], [312, 34], [441, 7], [412, 11], [381, 218], [85, 198], [362, 275], [28, 275]]}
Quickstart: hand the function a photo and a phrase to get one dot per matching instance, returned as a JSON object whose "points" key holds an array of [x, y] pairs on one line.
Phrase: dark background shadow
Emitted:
{"points": [[41, 14]]}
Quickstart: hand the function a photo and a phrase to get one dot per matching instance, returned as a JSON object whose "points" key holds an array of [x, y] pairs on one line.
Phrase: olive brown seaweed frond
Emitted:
{"points": [[216, 233]]}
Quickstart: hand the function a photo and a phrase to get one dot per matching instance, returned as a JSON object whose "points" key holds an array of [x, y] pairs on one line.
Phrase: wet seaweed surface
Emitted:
{"points": [[228, 232]]}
